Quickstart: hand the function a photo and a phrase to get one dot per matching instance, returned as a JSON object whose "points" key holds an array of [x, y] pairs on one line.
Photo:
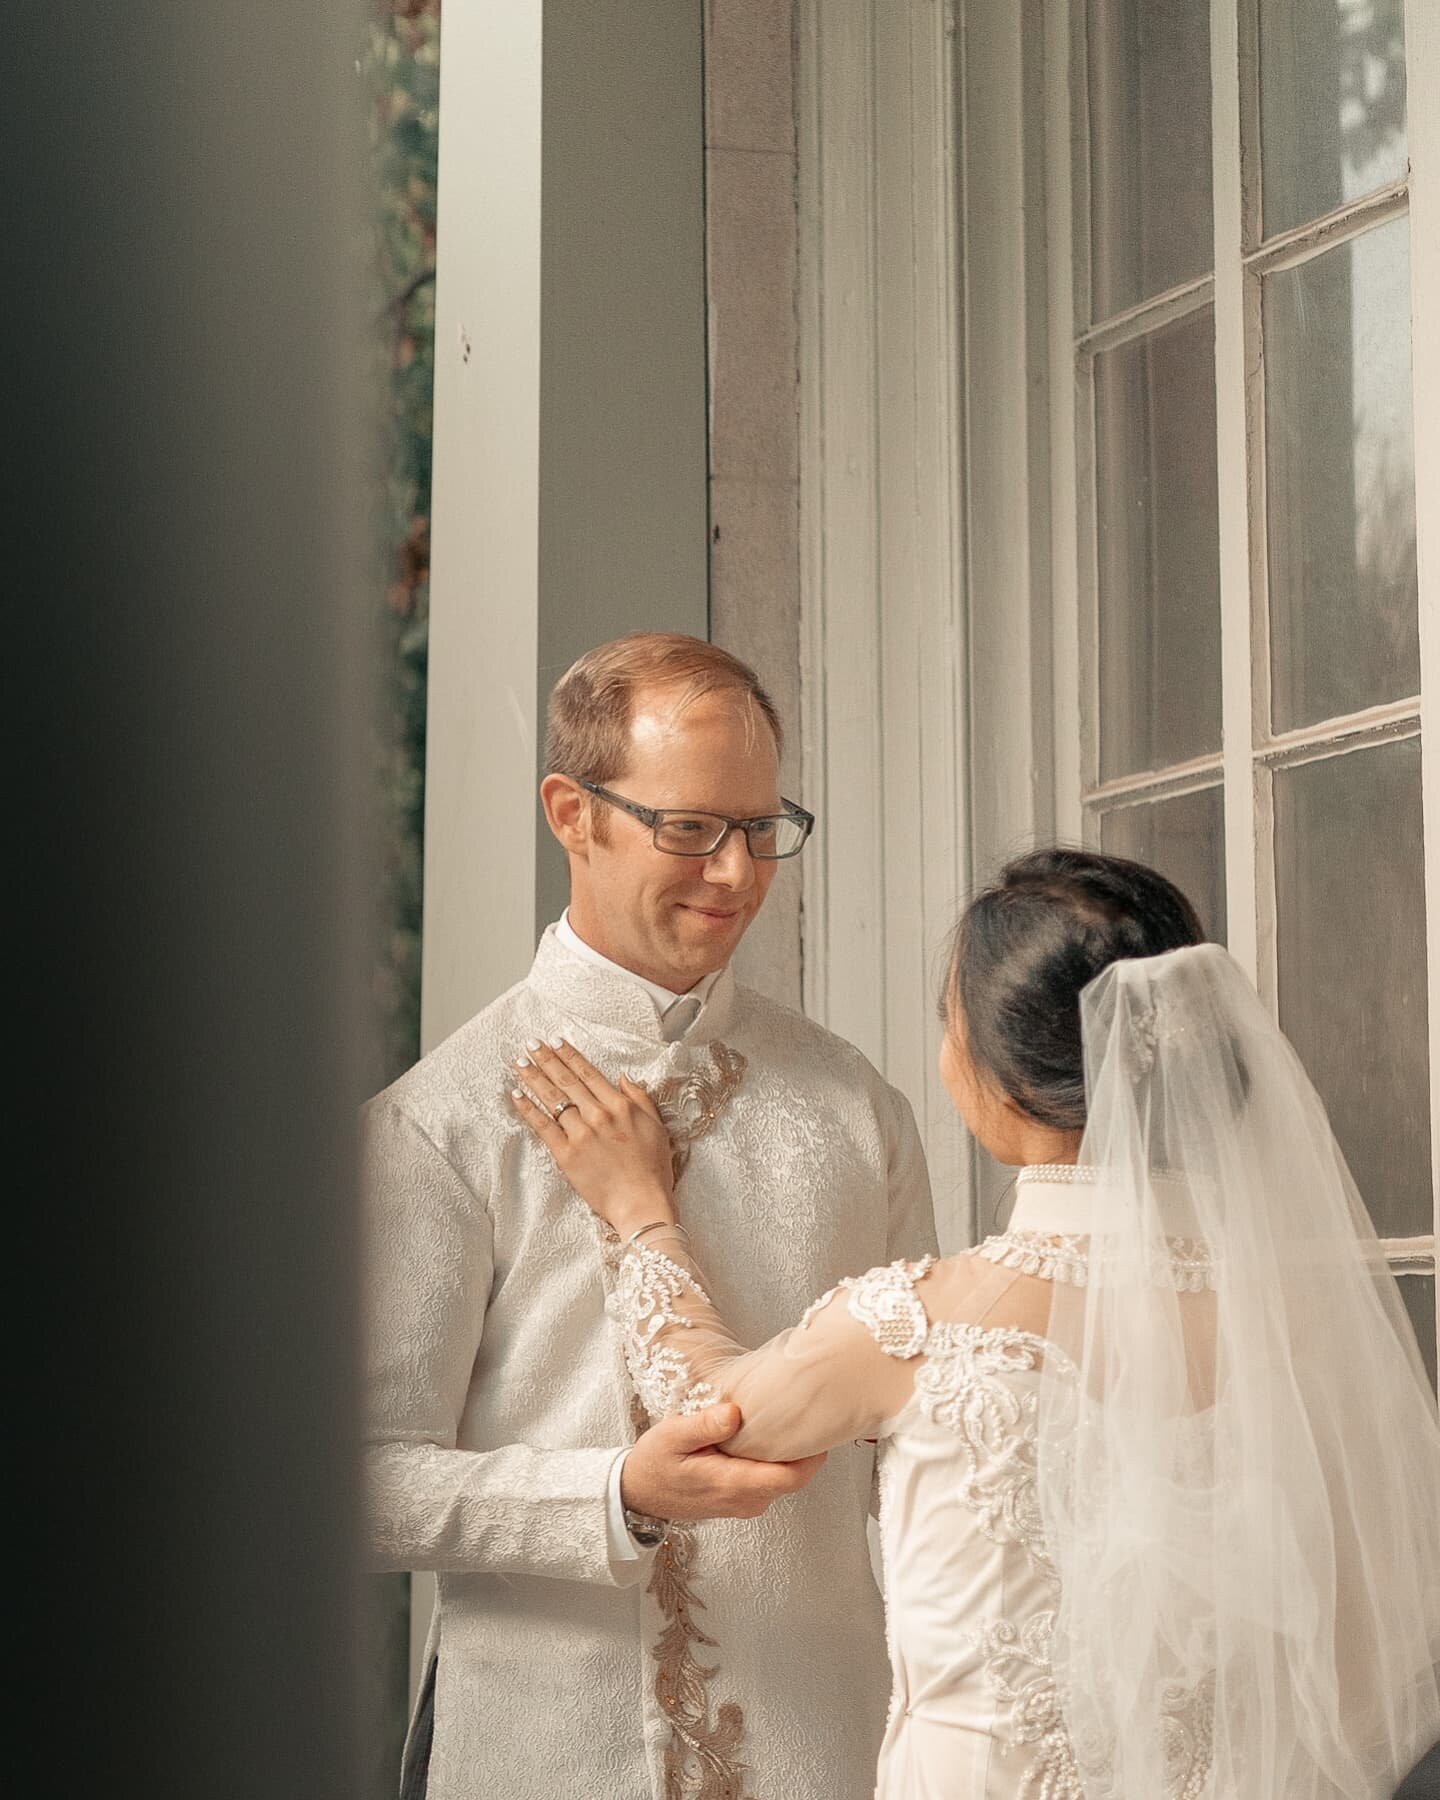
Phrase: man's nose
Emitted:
{"points": [[732, 865]]}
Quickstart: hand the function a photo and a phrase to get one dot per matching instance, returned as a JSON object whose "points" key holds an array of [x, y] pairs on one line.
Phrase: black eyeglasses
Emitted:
{"points": [[770, 838]]}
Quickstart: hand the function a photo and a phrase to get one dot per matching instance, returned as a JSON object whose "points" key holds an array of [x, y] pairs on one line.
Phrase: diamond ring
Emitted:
{"points": [[560, 1108]]}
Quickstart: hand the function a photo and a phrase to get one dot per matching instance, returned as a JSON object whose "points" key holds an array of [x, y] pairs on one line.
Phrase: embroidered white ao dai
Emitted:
{"points": [[941, 1361]]}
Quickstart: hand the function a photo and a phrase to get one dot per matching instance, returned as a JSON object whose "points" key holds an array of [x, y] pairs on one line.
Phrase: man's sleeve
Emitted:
{"points": [[513, 1510], [912, 1215]]}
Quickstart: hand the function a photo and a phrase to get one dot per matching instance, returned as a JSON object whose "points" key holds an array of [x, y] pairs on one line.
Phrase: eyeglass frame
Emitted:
{"points": [[653, 816]]}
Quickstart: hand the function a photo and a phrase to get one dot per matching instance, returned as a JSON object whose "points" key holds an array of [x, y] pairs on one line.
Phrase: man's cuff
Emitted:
{"points": [[628, 1560]]}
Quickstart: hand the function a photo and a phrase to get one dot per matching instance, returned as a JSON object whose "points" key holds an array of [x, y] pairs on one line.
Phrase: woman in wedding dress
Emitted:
{"points": [[1159, 1464]]}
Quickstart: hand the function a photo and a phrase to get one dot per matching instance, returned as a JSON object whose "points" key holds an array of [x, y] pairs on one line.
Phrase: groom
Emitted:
{"points": [[620, 1617]]}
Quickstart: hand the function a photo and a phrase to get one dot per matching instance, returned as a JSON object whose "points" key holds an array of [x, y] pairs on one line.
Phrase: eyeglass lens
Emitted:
{"points": [[698, 834]]}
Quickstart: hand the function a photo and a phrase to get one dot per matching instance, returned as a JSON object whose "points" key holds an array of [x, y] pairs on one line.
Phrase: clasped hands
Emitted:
{"points": [[611, 1145]]}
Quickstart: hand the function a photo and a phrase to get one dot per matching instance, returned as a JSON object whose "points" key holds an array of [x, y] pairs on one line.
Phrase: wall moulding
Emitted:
{"points": [[884, 695]]}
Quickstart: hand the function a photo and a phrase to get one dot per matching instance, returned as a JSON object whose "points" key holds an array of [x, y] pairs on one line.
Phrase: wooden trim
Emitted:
{"points": [[841, 749], [884, 702], [1157, 784], [1376, 725], [1422, 51], [922, 634], [1304, 242], [814, 738], [1248, 99], [1410, 1256], [1234, 499], [1064, 143], [1149, 315]]}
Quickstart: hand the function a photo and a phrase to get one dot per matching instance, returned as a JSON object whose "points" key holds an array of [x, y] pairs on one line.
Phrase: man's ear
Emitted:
{"points": [[567, 813]]}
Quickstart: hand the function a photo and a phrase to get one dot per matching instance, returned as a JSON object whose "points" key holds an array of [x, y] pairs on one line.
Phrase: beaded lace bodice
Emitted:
{"points": [[941, 1361]]}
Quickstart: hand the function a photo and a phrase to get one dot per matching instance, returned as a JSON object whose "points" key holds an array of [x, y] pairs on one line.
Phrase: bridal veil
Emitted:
{"points": [[1239, 1451]]}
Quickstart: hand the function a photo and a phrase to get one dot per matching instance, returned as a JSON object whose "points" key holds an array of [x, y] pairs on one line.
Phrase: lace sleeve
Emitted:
{"points": [[649, 1287], [833, 1377]]}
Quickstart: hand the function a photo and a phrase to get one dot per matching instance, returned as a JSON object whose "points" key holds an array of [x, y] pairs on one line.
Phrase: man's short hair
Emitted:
{"points": [[587, 723]]}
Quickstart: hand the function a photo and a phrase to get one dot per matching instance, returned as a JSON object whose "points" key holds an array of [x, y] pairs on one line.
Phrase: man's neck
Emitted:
{"points": [[661, 991]]}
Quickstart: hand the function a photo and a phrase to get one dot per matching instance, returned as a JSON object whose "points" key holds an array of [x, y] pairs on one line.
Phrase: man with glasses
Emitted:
{"points": [[619, 1613]]}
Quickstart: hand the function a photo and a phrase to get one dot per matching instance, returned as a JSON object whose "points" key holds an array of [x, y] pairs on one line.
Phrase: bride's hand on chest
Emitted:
{"points": [[608, 1141]]}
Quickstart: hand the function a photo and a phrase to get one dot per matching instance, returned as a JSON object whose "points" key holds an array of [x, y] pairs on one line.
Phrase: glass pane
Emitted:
{"points": [[1340, 462], [1158, 548], [1332, 105], [1351, 940], [1418, 1293], [1184, 839], [1149, 82]]}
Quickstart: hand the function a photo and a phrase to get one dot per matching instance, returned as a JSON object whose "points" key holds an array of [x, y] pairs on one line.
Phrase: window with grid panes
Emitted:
{"points": [[1251, 726]]}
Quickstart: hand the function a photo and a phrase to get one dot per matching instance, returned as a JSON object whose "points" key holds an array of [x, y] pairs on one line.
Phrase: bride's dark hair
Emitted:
{"points": [[1028, 944]]}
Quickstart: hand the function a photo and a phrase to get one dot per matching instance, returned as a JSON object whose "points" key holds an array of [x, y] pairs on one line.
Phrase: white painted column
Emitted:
{"points": [[484, 591], [479, 922]]}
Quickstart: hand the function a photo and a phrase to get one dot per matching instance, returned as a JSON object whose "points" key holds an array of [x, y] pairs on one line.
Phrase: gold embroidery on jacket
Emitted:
{"points": [[690, 1104], [701, 1758]]}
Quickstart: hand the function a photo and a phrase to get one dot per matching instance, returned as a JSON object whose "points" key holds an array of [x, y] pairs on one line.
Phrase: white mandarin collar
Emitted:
{"points": [[663, 997], [1058, 1198], [613, 999], [1052, 1219], [1054, 1198]]}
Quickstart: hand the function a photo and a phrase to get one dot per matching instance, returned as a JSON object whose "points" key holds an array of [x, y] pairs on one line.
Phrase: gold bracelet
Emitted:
{"points": [[657, 1225]]}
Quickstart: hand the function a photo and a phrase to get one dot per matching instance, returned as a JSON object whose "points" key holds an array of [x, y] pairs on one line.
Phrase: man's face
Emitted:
{"points": [[674, 919]]}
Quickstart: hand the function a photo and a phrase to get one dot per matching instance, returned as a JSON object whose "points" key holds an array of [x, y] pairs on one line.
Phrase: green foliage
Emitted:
{"points": [[401, 67]]}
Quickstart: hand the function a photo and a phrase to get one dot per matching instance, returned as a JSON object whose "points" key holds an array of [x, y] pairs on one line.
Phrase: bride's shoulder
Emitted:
{"points": [[969, 1289], [896, 1306]]}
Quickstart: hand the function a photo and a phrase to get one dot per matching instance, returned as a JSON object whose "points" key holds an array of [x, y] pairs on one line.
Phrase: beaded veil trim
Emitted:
{"points": [[1189, 1267]]}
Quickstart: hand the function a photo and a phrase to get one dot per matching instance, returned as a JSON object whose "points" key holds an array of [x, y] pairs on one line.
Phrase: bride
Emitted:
{"points": [[1159, 1465]]}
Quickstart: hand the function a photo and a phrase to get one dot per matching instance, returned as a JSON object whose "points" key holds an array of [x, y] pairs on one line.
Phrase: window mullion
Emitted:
{"points": [[1233, 469], [1422, 56]]}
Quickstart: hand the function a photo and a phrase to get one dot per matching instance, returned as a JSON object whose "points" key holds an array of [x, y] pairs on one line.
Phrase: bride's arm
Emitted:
{"points": [[842, 1372], [823, 1382]]}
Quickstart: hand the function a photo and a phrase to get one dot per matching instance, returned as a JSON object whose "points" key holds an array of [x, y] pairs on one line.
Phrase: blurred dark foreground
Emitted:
{"points": [[184, 434]]}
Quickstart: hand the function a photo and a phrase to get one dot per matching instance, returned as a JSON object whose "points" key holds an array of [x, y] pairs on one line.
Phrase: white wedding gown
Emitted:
{"points": [[940, 1361]]}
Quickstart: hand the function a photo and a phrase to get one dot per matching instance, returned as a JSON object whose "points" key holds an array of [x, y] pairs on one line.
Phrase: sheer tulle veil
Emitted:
{"points": [[1239, 1455]]}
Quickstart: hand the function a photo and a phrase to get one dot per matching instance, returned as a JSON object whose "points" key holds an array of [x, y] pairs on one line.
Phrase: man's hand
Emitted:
{"points": [[675, 1471]]}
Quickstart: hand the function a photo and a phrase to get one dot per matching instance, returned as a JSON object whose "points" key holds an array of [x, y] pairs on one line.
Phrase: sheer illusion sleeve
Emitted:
{"points": [[844, 1371]]}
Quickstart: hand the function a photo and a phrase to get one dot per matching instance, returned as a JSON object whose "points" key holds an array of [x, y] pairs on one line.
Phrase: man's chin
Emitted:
{"points": [[709, 938]]}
